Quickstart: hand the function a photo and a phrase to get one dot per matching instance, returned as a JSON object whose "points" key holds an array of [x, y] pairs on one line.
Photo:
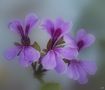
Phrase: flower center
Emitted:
{"points": [[25, 41], [57, 33]]}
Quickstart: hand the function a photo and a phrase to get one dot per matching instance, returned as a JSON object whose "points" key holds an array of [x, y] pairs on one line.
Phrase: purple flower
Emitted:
{"points": [[27, 54], [79, 69], [83, 39], [56, 52]]}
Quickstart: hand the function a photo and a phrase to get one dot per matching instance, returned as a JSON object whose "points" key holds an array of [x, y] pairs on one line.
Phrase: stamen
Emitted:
{"points": [[25, 41]]}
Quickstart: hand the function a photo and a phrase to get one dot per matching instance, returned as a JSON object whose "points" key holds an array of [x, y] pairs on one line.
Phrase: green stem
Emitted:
{"points": [[39, 72]]}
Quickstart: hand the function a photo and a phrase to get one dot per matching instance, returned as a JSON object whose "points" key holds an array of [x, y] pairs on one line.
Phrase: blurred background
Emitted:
{"points": [[88, 14]]}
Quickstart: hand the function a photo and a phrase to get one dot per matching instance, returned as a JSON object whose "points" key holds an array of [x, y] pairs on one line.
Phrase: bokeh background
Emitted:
{"points": [[88, 14]]}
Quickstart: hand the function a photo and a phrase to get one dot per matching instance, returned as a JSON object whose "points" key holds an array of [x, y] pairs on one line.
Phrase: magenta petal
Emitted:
{"points": [[28, 56], [88, 40], [89, 66], [15, 25], [30, 21], [11, 53], [49, 60], [61, 67], [64, 26], [49, 27], [68, 53]]}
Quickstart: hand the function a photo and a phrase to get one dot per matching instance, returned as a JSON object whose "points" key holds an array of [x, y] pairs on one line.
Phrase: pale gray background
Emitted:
{"points": [[89, 14]]}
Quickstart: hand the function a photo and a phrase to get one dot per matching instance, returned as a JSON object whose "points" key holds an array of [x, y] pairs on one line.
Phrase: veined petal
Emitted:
{"points": [[78, 70], [11, 53], [48, 26], [61, 67], [72, 71], [83, 75], [30, 21], [24, 62], [28, 55], [49, 60], [16, 26]]}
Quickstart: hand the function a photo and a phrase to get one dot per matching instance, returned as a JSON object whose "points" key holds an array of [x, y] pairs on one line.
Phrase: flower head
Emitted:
{"points": [[79, 69], [56, 49], [82, 40], [27, 54]]}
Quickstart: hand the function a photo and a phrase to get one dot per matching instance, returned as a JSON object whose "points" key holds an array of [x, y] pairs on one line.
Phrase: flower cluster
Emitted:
{"points": [[61, 52]]}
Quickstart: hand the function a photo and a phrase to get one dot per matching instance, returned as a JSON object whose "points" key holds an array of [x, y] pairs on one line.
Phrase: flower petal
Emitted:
{"points": [[69, 41], [64, 26], [88, 40], [89, 66], [28, 55], [68, 53], [30, 21], [48, 26], [80, 34], [16, 26], [24, 62], [49, 60], [73, 72], [70, 71], [76, 72], [83, 76], [11, 53], [61, 67]]}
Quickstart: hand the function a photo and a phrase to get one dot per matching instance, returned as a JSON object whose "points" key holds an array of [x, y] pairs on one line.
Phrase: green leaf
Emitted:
{"points": [[51, 86], [36, 46], [39, 75]]}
